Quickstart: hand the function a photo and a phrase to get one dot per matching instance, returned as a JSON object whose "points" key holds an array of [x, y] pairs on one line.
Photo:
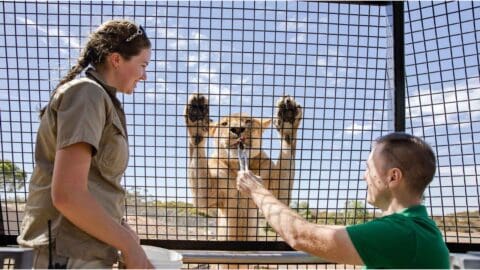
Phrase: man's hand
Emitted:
{"points": [[248, 182]]}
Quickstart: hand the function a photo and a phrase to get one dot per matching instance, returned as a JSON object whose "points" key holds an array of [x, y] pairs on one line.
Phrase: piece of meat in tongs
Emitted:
{"points": [[242, 154]]}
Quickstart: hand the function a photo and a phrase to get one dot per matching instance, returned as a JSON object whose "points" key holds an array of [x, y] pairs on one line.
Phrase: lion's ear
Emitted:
{"points": [[212, 127], [266, 123]]}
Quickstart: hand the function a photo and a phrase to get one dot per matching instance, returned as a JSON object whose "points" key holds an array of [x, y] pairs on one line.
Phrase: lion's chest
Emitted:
{"points": [[225, 171]]}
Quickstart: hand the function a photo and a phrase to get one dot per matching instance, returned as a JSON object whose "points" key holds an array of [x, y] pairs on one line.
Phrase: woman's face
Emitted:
{"points": [[129, 72]]}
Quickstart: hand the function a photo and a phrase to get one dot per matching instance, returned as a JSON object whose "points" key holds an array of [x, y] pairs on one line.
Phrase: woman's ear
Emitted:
{"points": [[114, 59]]}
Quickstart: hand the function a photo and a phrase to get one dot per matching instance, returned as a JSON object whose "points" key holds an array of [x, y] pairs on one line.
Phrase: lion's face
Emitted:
{"points": [[230, 129]]}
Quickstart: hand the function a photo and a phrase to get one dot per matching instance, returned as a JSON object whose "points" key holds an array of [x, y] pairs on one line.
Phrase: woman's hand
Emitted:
{"points": [[130, 230], [71, 196], [248, 182], [135, 258]]}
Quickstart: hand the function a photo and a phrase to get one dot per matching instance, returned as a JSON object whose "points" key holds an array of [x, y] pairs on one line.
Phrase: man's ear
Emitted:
{"points": [[395, 176]]}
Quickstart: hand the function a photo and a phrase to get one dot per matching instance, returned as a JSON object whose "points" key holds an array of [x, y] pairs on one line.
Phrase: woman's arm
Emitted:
{"points": [[71, 197], [331, 243]]}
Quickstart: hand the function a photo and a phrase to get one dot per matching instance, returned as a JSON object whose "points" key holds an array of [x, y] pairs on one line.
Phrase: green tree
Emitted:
{"points": [[12, 177], [304, 210], [134, 198], [355, 212]]}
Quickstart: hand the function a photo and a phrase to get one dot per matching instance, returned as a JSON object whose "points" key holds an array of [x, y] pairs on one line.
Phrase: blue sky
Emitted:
{"points": [[333, 58]]}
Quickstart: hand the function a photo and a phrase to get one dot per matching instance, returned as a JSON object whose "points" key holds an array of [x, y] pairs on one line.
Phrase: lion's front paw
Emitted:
{"points": [[196, 118], [288, 117]]}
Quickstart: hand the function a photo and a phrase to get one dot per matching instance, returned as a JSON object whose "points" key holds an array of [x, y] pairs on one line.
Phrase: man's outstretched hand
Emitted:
{"points": [[248, 182]]}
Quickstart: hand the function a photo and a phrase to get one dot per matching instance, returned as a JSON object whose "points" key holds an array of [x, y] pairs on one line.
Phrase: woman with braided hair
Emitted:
{"points": [[75, 206]]}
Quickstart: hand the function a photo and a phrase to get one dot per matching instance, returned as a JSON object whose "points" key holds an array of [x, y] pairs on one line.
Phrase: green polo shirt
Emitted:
{"points": [[406, 239]]}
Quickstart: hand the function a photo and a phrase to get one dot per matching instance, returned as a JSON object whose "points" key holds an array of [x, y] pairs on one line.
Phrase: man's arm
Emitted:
{"points": [[331, 243]]}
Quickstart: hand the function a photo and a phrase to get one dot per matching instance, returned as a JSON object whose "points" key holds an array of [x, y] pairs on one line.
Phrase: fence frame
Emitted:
{"points": [[281, 247]]}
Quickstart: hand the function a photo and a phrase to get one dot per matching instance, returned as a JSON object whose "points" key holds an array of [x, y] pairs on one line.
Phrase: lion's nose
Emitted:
{"points": [[237, 130]]}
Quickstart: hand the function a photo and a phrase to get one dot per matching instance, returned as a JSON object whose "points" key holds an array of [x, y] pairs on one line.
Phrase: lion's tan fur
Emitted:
{"points": [[212, 180]]}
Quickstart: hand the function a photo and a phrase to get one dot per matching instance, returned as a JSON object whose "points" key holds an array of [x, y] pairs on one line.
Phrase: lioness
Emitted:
{"points": [[212, 180]]}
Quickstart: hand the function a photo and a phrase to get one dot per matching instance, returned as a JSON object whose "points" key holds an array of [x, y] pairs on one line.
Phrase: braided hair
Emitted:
{"points": [[114, 36]]}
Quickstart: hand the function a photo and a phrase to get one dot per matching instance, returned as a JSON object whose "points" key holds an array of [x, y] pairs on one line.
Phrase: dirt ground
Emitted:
{"points": [[169, 226]]}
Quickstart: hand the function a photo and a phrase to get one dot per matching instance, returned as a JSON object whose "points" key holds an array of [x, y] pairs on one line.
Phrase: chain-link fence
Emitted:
{"points": [[336, 60]]}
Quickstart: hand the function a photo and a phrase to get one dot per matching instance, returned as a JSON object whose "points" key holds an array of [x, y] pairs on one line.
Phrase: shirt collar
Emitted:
{"points": [[93, 74], [414, 211]]}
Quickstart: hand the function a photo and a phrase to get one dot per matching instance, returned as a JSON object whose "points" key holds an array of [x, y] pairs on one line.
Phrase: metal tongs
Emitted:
{"points": [[242, 156]]}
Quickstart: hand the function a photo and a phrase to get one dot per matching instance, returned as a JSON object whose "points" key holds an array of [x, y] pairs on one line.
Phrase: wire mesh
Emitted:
{"points": [[333, 58], [443, 103], [272, 266]]}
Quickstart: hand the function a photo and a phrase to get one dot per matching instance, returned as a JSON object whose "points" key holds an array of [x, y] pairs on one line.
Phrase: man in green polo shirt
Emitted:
{"points": [[399, 169]]}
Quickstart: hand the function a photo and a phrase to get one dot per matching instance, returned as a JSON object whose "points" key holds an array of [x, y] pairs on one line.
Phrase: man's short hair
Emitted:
{"points": [[412, 155]]}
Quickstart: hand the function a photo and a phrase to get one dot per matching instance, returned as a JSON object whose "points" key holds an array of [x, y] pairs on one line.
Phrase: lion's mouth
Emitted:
{"points": [[242, 140], [235, 145]]}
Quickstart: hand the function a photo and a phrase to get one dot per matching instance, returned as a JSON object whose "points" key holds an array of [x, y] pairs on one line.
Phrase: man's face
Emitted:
{"points": [[378, 192]]}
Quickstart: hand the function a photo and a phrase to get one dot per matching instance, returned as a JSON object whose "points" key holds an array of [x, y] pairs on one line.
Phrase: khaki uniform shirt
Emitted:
{"points": [[83, 110]]}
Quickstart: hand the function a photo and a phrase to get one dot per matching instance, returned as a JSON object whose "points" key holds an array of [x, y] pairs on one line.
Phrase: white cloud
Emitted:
{"points": [[151, 20], [171, 33], [291, 26], [475, 115], [342, 61], [299, 37], [238, 79], [192, 60], [172, 98], [357, 129], [217, 95], [446, 103], [172, 44], [157, 93], [51, 31], [182, 44], [321, 61], [175, 40], [192, 78], [324, 18], [281, 26], [160, 64], [153, 97], [193, 57], [204, 56], [161, 33], [171, 66], [331, 82], [332, 52], [196, 35], [208, 74]]}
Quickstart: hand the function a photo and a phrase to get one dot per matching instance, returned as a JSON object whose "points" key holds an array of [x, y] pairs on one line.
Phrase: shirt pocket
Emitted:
{"points": [[114, 151]]}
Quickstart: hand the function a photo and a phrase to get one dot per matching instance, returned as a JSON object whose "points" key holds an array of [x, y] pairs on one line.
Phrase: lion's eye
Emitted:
{"points": [[224, 123], [248, 121]]}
